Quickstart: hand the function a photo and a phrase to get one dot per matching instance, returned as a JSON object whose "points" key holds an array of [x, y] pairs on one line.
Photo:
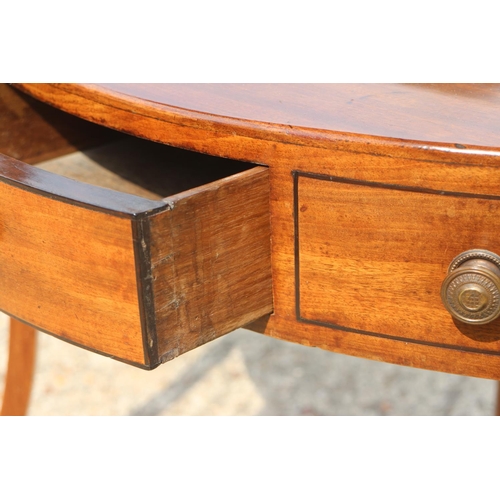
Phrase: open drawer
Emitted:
{"points": [[175, 255]]}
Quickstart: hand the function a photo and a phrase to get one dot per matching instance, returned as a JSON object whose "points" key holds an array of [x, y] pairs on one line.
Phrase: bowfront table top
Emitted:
{"points": [[467, 114], [334, 226]]}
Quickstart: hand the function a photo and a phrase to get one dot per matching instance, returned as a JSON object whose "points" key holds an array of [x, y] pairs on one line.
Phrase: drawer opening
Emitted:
{"points": [[142, 168], [172, 253]]}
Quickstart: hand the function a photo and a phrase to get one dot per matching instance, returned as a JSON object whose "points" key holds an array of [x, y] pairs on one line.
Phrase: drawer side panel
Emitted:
{"points": [[211, 262]]}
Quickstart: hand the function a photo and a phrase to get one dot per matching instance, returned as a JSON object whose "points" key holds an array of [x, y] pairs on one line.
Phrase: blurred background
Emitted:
{"points": [[243, 373]]}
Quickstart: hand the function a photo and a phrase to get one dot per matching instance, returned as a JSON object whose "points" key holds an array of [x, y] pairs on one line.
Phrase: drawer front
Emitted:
{"points": [[361, 246], [371, 259], [136, 279], [69, 261]]}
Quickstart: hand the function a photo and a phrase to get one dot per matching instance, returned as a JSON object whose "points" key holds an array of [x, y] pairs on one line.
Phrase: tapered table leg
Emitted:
{"points": [[497, 408], [20, 369]]}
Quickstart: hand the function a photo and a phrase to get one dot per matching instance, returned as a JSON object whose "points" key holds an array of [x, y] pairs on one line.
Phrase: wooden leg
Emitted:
{"points": [[20, 369], [497, 408]]}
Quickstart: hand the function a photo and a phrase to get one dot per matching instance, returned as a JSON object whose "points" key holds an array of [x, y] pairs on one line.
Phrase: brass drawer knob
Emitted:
{"points": [[471, 290]]}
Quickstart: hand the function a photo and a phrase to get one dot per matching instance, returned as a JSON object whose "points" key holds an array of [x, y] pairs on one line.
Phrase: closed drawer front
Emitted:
{"points": [[371, 257], [139, 278]]}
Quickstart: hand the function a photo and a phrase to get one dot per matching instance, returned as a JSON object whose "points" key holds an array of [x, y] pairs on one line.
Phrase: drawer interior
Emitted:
{"points": [[142, 168], [58, 142]]}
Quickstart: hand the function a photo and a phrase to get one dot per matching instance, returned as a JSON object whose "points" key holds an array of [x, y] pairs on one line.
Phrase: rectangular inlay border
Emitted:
{"points": [[297, 174]]}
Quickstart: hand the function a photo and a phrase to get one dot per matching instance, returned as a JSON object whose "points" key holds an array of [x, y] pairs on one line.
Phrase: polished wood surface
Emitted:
{"points": [[69, 266], [366, 237], [378, 263], [439, 113], [211, 261], [32, 131], [425, 155], [128, 273], [19, 378], [497, 406]]}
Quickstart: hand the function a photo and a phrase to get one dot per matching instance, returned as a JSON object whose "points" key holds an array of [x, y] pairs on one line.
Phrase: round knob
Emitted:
{"points": [[471, 290]]}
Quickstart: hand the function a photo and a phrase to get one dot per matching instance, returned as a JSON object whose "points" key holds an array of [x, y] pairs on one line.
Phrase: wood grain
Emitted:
{"points": [[32, 131], [497, 406], [95, 267], [19, 378], [68, 269], [440, 138], [210, 260], [372, 246], [377, 265], [441, 113], [210, 251]]}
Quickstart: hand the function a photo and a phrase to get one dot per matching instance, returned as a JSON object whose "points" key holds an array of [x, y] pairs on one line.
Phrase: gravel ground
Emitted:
{"points": [[243, 373]]}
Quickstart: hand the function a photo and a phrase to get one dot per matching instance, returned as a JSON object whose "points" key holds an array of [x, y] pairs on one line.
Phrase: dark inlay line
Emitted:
{"points": [[141, 233], [345, 180], [399, 339], [83, 346], [57, 187], [397, 187], [296, 241]]}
